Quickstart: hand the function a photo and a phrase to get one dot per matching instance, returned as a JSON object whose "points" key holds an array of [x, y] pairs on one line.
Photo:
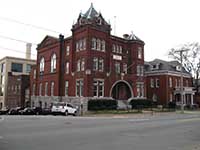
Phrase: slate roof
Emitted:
{"points": [[163, 65], [91, 13]]}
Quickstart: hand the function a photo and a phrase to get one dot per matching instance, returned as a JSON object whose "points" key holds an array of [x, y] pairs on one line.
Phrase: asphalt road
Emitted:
{"points": [[161, 132]]}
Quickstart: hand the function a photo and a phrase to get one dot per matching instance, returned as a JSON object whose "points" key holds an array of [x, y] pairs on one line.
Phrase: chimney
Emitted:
{"points": [[28, 50]]}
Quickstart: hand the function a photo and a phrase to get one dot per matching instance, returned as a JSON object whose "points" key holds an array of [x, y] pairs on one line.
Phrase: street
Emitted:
{"points": [[158, 132]]}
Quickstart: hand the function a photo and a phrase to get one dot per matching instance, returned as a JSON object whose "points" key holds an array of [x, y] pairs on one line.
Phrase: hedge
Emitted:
{"points": [[102, 104], [141, 103]]}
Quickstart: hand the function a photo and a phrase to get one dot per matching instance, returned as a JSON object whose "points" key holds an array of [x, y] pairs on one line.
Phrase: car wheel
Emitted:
{"points": [[66, 113]]}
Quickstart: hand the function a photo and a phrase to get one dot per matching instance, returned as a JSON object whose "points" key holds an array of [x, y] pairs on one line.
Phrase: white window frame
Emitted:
{"points": [[53, 63], [97, 85], [42, 63], [98, 44], [94, 44], [139, 52], [82, 64], [95, 64], [79, 87], [78, 65], [117, 67], [170, 82], [103, 48], [52, 88], [67, 67], [101, 64], [66, 88], [152, 82], [46, 88], [67, 50]]}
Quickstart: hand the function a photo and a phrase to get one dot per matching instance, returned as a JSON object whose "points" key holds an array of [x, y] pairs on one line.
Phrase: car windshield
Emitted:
{"points": [[59, 104]]}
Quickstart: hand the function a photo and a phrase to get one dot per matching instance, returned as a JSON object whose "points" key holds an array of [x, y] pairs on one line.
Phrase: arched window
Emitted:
{"points": [[53, 63], [83, 64], [42, 64], [79, 65], [52, 88]]}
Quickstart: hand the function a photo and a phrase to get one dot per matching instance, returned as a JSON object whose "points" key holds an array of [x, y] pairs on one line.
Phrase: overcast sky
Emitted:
{"points": [[161, 24]]}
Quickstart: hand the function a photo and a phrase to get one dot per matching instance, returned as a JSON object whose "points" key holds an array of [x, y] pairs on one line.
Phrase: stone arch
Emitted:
{"points": [[119, 87]]}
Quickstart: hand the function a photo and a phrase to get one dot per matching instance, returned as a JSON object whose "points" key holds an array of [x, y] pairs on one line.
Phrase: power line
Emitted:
{"points": [[27, 24], [9, 38], [18, 51]]}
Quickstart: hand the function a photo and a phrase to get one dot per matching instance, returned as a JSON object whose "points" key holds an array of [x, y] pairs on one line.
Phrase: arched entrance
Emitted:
{"points": [[121, 90]]}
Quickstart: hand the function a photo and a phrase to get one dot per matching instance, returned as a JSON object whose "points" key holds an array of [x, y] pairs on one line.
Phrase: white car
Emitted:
{"points": [[63, 108]]}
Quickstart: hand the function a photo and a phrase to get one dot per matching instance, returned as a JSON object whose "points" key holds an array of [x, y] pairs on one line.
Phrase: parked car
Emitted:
{"points": [[4, 111], [37, 110], [63, 108], [27, 111], [15, 111]]}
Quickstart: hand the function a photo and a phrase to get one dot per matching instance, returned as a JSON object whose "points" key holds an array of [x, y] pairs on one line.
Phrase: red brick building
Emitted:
{"points": [[163, 80], [18, 91], [90, 64]]}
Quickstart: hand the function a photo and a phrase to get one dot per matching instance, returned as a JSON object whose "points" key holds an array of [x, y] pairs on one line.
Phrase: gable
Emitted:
{"points": [[48, 40]]}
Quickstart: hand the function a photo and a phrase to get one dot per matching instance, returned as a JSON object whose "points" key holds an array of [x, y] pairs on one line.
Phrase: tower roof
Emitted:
{"points": [[91, 13]]}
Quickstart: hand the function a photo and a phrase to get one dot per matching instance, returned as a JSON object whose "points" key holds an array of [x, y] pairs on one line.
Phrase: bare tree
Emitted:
{"points": [[191, 58]]}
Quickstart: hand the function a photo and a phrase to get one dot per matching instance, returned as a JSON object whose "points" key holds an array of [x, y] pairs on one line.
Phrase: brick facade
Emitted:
{"points": [[110, 66]]}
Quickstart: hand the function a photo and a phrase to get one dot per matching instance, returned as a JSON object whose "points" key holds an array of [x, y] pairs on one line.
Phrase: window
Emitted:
{"points": [[34, 74], [28, 68], [33, 90], [120, 49], [66, 87], [46, 88], [82, 64], [67, 68], [42, 65], [84, 43], [140, 70], [125, 68], [170, 97], [117, 67], [157, 83], [176, 83], [140, 52], [140, 89], [98, 44], [103, 48], [52, 88], [95, 64], [67, 50], [98, 88], [114, 48], [77, 46], [186, 83], [2, 67], [15, 67], [53, 63], [101, 64], [81, 44], [93, 43], [152, 83], [40, 89], [170, 82], [79, 65], [79, 88]]}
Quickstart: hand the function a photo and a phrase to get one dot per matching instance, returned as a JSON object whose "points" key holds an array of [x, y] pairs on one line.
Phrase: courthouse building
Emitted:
{"points": [[90, 64]]}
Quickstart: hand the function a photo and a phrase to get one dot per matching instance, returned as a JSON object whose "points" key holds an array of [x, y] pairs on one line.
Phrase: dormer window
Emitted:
{"points": [[178, 68], [155, 67], [99, 21]]}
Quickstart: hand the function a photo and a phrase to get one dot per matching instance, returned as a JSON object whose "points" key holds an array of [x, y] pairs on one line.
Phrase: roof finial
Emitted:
{"points": [[91, 5]]}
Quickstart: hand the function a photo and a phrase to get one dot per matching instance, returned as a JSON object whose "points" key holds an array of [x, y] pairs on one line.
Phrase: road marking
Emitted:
{"points": [[189, 119], [138, 120]]}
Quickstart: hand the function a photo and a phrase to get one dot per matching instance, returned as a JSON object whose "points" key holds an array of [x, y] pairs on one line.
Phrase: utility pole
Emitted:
{"points": [[182, 96]]}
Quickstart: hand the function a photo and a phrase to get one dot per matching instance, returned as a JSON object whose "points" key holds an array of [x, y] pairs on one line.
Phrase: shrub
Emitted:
{"points": [[102, 104], [171, 105], [141, 103]]}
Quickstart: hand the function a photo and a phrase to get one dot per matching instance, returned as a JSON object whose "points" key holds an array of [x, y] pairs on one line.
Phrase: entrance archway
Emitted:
{"points": [[121, 90]]}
